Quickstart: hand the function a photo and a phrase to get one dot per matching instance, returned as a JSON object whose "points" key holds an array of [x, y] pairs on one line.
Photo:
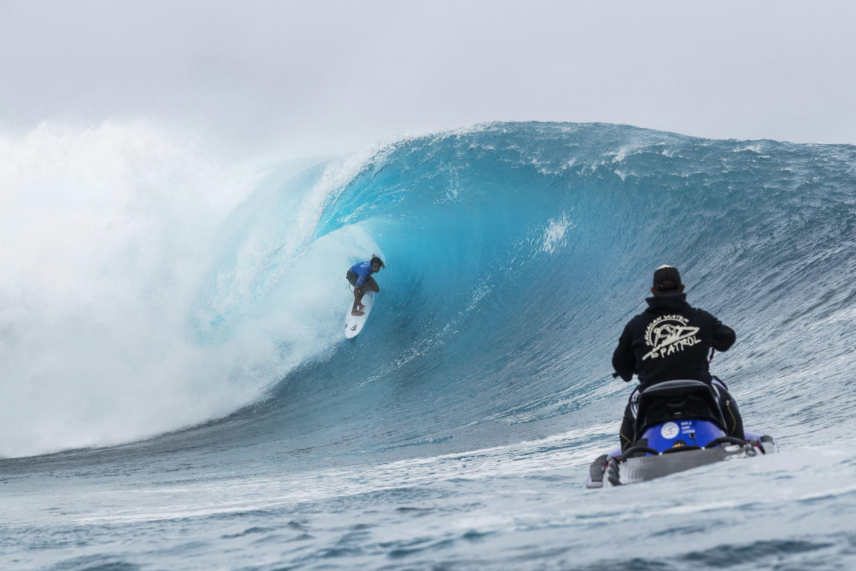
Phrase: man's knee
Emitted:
{"points": [[733, 419], [730, 411], [627, 432]]}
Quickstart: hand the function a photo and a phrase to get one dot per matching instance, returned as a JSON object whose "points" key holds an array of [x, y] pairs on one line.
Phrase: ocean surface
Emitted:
{"points": [[176, 392]]}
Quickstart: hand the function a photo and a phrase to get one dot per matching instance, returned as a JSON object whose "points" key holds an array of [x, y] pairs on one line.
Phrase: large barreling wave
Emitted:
{"points": [[133, 303]]}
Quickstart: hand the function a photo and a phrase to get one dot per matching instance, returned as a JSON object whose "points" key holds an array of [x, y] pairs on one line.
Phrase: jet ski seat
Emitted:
{"points": [[675, 401]]}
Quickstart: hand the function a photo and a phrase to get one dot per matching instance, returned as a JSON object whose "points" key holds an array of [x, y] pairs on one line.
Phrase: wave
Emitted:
{"points": [[514, 253]]}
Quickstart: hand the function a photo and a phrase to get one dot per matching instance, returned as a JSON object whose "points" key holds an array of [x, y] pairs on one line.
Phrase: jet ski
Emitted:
{"points": [[679, 426]]}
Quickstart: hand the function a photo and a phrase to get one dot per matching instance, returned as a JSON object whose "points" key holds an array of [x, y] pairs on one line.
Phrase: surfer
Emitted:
{"points": [[669, 341], [360, 276]]}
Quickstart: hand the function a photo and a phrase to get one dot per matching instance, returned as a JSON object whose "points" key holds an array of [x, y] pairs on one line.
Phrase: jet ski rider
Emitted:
{"points": [[669, 341], [360, 276]]}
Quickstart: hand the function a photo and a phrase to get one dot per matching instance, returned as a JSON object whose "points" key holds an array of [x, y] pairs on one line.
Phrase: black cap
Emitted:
{"points": [[666, 279], [376, 260]]}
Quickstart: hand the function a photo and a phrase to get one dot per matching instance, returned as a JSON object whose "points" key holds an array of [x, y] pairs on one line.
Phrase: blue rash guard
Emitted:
{"points": [[364, 270]]}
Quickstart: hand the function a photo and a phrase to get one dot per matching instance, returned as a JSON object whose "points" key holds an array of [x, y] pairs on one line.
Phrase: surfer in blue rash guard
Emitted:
{"points": [[360, 276]]}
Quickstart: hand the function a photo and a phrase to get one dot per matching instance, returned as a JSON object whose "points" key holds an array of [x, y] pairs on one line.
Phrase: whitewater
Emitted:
{"points": [[176, 391]]}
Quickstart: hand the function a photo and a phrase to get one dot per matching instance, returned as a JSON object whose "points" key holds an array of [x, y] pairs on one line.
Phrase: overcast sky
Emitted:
{"points": [[327, 77]]}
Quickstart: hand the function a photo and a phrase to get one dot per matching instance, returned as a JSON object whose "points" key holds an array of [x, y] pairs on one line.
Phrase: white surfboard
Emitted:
{"points": [[355, 323]]}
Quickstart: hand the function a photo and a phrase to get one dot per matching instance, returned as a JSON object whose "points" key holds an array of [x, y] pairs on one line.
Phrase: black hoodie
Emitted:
{"points": [[670, 340]]}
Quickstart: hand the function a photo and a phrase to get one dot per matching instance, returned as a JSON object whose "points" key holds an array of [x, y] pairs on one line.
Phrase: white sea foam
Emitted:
{"points": [[756, 148], [106, 236], [554, 235]]}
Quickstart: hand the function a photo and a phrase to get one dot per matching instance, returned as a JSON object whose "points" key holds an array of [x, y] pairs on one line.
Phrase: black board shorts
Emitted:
{"points": [[352, 279]]}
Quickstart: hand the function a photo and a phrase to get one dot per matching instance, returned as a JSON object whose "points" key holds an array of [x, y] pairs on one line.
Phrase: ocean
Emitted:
{"points": [[176, 392]]}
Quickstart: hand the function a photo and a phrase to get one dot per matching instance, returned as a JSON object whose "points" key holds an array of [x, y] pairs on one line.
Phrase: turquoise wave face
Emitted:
{"points": [[515, 253]]}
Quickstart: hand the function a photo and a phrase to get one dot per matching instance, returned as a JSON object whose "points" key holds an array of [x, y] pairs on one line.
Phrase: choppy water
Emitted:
{"points": [[456, 431]]}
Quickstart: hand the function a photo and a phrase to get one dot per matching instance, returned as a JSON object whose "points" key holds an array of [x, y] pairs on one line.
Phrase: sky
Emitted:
{"points": [[328, 77]]}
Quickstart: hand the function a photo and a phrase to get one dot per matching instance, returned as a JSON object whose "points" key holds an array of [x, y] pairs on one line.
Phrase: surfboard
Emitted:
{"points": [[354, 323]]}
